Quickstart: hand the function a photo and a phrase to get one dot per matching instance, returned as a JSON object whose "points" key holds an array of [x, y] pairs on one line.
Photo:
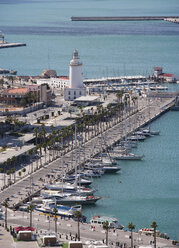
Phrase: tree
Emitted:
{"points": [[5, 204], [1, 82], [24, 170], [55, 218], [30, 209], [106, 228], [78, 215], [11, 78], [154, 226], [131, 227]]}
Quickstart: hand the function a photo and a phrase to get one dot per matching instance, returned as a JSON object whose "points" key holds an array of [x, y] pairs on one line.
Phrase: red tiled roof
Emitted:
{"points": [[18, 91], [166, 75], [64, 77]]}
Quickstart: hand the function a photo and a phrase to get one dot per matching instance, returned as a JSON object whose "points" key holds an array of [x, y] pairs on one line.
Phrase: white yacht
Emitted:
{"points": [[128, 156], [48, 205], [99, 220]]}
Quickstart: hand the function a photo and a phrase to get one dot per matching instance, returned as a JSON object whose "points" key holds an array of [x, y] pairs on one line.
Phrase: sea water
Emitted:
{"points": [[145, 191], [105, 48]]}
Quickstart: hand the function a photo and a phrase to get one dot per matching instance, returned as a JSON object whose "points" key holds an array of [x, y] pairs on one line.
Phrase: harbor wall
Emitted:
{"points": [[122, 18]]}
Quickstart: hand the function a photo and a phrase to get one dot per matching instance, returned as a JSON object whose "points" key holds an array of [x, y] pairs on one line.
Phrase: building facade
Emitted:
{"points": [[58, 82]]}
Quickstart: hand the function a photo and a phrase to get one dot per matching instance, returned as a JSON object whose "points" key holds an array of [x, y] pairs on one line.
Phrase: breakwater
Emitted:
{"points": [[122, 18], [9, 45]]}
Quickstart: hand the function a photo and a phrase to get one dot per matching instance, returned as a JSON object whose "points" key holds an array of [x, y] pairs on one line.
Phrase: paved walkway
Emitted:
{"points": [[6, 240], [66, 227]]}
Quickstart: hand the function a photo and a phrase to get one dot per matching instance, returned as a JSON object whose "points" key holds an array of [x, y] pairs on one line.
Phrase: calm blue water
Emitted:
{"points": [[106, 48], [149, 189]]}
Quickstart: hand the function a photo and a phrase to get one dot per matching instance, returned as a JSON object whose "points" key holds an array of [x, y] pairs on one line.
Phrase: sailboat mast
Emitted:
{"points": [[75, 157]]}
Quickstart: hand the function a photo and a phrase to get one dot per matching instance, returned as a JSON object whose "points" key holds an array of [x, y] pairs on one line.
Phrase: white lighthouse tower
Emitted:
{"points": [[75, 77], [76, 87]]}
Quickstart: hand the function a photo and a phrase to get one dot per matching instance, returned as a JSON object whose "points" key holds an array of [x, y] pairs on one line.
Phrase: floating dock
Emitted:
{"points": [[9, 45], [123, 18]]}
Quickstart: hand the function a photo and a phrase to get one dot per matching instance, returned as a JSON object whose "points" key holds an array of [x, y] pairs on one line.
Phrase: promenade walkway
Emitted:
{"points": [[32, 183], [67, 229]]}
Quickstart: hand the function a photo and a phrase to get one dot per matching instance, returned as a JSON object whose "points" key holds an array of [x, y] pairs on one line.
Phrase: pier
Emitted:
{"points": [[9, 45], [21, 190], [122, 18]]}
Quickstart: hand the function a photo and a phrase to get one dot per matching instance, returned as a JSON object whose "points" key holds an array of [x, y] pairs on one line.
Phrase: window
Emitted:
{"points": [[80, 93], [69, 92], [74, 93]]}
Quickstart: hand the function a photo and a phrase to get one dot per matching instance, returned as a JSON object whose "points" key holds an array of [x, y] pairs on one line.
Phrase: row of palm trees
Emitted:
{"points": [[88, 126], [78, 216], [131, 227]]}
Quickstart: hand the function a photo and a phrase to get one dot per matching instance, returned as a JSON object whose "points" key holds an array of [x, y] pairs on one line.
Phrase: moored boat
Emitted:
{"points": [[99, 220]]}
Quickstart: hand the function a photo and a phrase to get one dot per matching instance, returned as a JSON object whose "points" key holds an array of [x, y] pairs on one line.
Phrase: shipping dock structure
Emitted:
{"points": [[124, 18], [4, 44]]}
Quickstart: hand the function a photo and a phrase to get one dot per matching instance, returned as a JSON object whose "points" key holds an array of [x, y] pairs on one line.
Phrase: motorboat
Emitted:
{"points": [[48, 206], [75, 199], [148, 231], [136, 138], [147, 130], [92, 173], [147, 134], [158, 87], [128, 156], [99, 220]]}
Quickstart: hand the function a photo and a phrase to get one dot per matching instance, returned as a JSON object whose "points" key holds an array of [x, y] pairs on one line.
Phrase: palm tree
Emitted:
{"points": [[106, 228], [131, 227], [154, 226], [30, 209], [55, 218], [5, 204], [78, 215]]}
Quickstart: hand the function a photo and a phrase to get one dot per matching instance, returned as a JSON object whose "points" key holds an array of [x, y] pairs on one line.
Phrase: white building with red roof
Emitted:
{"points": [[167, 77]]}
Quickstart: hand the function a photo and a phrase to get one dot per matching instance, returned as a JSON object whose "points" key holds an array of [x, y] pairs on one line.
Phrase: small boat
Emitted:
{"points": [[147, 134], [148, 231], [48, 205], [128, 156], [158, 88], [136, 138], [147, 130], [99, 220]]}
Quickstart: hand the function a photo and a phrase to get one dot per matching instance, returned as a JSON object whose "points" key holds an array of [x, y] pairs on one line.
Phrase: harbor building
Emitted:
{"points": [[76, 88], [55, 82], [25, 95], [166, 77]]}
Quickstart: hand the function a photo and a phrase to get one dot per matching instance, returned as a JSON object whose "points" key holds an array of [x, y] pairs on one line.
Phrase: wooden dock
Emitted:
{"points": [[123, 18]]}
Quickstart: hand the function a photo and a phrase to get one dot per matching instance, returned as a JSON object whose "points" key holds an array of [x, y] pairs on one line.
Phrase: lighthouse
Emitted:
{"points": [[76, 88], [75, 77]]}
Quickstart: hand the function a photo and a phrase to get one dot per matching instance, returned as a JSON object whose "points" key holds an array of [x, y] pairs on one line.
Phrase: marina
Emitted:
{"points": [[113, 152]]}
